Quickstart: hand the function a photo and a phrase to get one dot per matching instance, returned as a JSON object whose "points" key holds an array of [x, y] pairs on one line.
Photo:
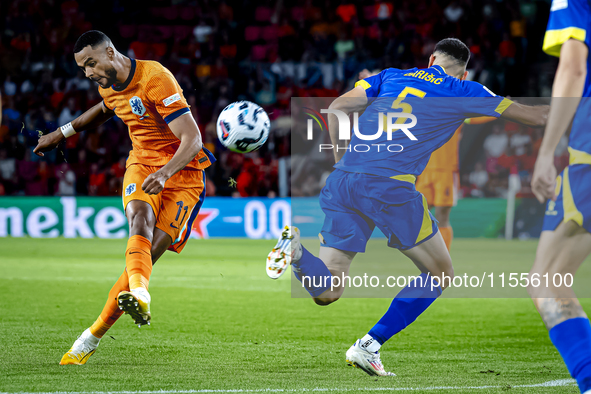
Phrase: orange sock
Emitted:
{"points": [[111, 311], [448, 235], [138, 260]]}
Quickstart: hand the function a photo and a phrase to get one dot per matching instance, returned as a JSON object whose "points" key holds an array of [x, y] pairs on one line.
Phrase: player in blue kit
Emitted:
{"points": [[566, 239], [376, 186]]}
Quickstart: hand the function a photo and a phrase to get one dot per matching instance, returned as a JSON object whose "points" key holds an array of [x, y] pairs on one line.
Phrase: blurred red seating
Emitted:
{"points": [[127, 31], [346, 12], [228, 51], [181, 32], [270, 32], [187, 13], [166, 31], [252, 33], [263, 14], [170, 13], [297, 14], [370, 12], [258, 53]]}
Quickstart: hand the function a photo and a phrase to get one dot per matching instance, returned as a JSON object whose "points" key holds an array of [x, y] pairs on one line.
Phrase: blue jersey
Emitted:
{"points": [[440, 104], [571, 19]]}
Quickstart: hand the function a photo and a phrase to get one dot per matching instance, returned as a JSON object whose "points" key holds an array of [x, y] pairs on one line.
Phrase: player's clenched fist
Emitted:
{"points": [[544, 179], [48, 142], [154, 183]]}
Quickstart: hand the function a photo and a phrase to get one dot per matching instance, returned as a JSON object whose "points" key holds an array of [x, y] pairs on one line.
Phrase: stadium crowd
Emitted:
{"points": [[265, 52]]}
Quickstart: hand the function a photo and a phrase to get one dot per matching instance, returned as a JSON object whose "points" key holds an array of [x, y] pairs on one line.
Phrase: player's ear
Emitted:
{"points": [[110, 52], [431, 60]]}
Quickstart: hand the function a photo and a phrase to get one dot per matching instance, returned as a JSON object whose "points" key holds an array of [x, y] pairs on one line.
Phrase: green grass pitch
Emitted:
{"points": [[219, 324]]}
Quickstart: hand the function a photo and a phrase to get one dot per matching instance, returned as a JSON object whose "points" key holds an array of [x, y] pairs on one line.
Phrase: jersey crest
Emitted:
{"points": [[137, 107]]}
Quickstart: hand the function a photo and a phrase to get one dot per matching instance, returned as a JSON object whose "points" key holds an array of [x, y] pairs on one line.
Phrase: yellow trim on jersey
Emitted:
{"points": [[405, 178], [570, 209], [503, 105], [363, 83], [553, 39], [578, 157], [427, 226]]}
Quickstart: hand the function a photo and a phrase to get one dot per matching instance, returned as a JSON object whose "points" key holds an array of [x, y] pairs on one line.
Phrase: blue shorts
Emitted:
{"points": [[354, 204], [573, 202]]}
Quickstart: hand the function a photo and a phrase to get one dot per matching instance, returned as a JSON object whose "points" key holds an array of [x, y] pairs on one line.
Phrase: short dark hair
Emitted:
{"points": [[92, 38], [454, 48]]}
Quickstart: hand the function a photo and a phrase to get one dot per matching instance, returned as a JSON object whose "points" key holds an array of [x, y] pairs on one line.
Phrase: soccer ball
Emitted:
{"points": [[243, 127]]}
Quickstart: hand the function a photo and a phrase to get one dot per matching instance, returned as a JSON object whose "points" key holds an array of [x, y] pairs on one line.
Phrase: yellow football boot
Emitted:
{"points": [[81, 350], [136, 303]]}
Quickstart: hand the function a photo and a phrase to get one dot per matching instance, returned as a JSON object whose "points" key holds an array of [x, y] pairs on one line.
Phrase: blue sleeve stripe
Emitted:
{"points": [[176, 114]]}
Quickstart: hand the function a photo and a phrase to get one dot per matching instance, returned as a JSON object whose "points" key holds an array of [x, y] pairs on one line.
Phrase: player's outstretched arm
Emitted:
{"points": [[569, 84], [352, 101], [530, 115], [90, 119], [186, 130]]}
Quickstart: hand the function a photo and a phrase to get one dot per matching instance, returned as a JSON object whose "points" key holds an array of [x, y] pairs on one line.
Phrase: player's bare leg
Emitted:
{"points": [[138, 261], [160, 244], [432, 257], [311, 270], [308, 269], [442, 216], [433, 260], [87, 343], [338, 263], [561, 252]]}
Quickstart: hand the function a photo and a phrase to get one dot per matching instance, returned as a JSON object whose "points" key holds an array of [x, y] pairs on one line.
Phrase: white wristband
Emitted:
{"points": [[68, 130]]}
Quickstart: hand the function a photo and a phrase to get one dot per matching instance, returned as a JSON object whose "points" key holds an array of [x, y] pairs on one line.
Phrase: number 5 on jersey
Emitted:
{"points": [[406, 108]]}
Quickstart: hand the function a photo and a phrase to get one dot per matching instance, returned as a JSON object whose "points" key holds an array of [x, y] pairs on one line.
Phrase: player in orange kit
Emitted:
{"points": [[164, 185], [439, 181]]}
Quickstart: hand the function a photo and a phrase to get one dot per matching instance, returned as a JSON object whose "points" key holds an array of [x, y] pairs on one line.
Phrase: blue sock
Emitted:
{"points": [[413, 300], [317, 278], [572, 338]]}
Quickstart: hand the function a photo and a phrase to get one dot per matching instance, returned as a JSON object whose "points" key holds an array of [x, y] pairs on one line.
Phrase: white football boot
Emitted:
{"points": [[81, 350], [369, 362], [287, 250]]}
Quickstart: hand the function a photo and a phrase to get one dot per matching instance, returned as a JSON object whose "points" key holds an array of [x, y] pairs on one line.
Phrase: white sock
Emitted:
{"points": [[297, 256], [91, 339], [369, 343]]}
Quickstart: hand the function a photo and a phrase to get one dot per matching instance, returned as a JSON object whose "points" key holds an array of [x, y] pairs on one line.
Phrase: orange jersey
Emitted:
{"points": [[446, 157], [147, 102]]}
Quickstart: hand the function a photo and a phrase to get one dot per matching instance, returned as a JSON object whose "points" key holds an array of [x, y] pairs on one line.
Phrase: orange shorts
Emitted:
{"points": [[176, 207], [439, 187]]}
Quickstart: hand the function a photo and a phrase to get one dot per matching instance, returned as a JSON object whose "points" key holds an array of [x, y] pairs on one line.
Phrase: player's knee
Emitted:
{"points": [[443, 267], [324, 301], [140, 223], [537, 286], [444, 272]]}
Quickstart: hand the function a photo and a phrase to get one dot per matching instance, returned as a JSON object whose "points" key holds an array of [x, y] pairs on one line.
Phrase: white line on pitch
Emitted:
{"points": [[551, 383]]}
